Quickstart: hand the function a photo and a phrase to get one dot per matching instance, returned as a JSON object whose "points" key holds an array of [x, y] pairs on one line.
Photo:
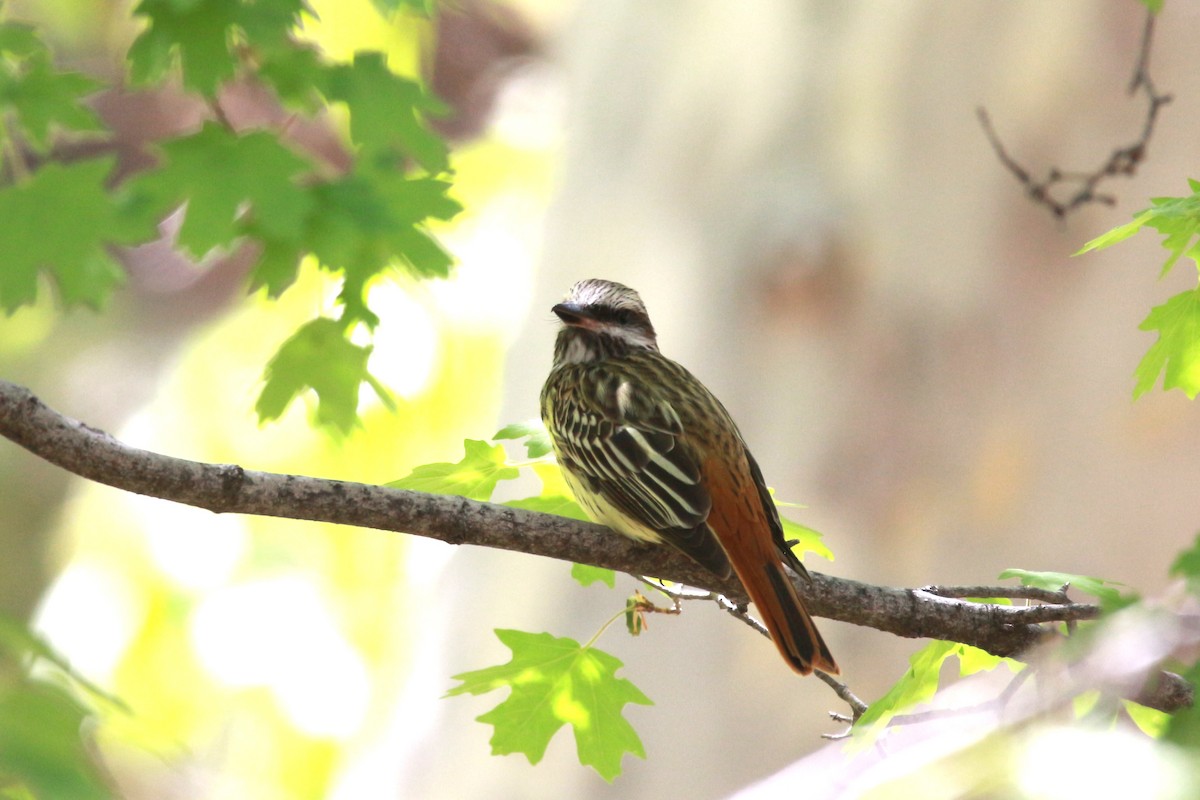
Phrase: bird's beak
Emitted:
{"points": [[574, 314]]}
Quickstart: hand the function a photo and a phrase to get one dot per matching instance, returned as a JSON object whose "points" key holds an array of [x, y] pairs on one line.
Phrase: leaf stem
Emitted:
{"points": [[588, 644]]}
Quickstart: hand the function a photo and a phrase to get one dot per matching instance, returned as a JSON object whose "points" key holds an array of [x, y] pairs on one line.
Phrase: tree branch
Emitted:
{"points": [[1122, 160], [227, 488]]}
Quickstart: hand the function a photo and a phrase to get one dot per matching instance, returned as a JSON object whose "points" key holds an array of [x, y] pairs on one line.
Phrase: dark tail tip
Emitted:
{"points": [[798, 639]]}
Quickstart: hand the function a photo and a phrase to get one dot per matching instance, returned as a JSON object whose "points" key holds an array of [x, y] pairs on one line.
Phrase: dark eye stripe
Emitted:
{"points": [[620, 316]]}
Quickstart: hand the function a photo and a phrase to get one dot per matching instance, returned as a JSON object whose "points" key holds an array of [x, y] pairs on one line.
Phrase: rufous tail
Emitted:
{"points": [[783, 612]]}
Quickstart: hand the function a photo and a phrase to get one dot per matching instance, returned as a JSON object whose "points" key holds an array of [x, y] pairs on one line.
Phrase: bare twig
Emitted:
{"points": [[739, 611], [1122, 160], [857, 706], [1008, 592], [227, 488]]}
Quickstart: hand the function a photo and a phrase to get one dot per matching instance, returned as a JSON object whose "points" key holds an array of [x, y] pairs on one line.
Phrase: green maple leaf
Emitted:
{"points": [[972, 660], [318, 356], [412, 202], [586, 574], [364, 222], [556, 682], [20, 41], [231, 183], [388, 111], [1177, 218], [475, 476], [367, 221], [1117, 234], [537, 438], [43, 99], [60, 222], [196, 33], [277, 267], [918, 685], [1176, 354], [921, 682], [299, 75], [267, 24]]}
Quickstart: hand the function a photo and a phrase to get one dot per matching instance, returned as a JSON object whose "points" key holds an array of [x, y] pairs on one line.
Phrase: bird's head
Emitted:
{"points": [[601, 319]]}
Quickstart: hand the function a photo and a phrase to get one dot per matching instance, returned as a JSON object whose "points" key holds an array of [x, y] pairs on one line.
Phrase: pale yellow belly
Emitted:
{"points": [[606, 514]]}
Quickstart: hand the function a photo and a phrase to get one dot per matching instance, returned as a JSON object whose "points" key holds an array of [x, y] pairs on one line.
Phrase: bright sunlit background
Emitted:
{"points": [[802, 193]]}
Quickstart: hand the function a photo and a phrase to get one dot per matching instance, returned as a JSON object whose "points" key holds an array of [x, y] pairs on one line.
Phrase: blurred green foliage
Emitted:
{"points": [[237, 186], [45, 710]]}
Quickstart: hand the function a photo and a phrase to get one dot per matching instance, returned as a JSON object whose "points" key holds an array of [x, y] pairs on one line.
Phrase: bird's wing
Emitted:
{"points": [[624, 441], [772, 512]]}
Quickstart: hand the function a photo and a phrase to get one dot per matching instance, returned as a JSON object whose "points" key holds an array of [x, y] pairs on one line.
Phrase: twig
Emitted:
{"points": [[677, 591], [740, 611], [1009, 592], [1122, 160], [227, 488], [857, 706]]}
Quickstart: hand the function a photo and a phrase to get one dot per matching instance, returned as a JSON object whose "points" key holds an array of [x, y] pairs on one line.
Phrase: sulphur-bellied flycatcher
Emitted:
{"points": [[651, 453]]}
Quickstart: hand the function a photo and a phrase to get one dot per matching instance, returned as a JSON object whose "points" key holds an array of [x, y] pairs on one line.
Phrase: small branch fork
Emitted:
{"points": [[740, 612], [1122, 161], [1002, 630]]}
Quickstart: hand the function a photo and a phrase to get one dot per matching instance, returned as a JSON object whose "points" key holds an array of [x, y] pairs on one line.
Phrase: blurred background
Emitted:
{"points": [[803, 195]]}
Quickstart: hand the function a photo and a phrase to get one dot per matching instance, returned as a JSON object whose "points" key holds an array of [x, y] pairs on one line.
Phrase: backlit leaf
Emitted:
{"points": [[537, 438], [43, 99], [475, 476], [318, 357], [555, 682], [586, 574], [1176, 354], [1176, 218], [917, 685]]}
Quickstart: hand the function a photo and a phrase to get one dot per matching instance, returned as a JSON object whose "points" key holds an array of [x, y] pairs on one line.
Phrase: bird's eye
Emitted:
{"points": [[623, 316]]}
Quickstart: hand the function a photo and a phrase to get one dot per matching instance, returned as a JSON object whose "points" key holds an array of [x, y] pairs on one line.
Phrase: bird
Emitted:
{"points": [[650, 452]]}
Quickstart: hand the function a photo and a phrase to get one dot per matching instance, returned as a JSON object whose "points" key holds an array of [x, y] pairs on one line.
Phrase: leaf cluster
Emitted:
{"points": [[45, 704], [235, 188], [1176, 354]]}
